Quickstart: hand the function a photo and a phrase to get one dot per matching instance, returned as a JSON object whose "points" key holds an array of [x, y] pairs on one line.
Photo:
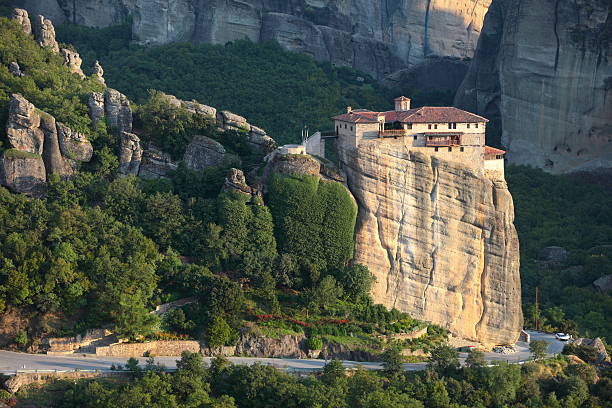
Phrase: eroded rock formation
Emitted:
{"points": [[44, 33], [375, 36], [73, 61], [38, 147], [117, 110], [130, 154], [155, 164], [98, 72], [439, 238], [22, 17], [546, 75]]}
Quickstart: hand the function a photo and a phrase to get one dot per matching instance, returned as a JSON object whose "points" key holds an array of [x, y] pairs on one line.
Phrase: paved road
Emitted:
{"points": [[10, 361]]}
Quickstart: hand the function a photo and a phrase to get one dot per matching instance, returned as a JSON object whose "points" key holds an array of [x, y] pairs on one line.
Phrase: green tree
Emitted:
{"points": [[333, 372], [357, 281], [218, 332], [538, 349], [393, 360], [475, 359], [444, 359], [132, 319], [324, 295]]}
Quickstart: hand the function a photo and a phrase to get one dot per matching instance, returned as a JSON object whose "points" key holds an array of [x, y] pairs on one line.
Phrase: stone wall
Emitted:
{"points": [[153, 348]]}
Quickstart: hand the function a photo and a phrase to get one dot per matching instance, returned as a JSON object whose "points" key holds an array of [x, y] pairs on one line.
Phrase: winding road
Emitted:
{"points": [[10, 362]]}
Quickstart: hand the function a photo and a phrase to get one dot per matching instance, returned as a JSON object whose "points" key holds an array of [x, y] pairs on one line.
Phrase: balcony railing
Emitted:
{"points": [[393, 133], [442, 142]]}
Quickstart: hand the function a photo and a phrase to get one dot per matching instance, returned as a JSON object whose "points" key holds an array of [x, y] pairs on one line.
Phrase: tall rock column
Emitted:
{"points": [[546, 75], [22, 17], [439, 238], [44, 33]]}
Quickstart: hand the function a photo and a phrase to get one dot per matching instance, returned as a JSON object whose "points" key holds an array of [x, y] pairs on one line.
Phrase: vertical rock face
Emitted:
{"points": [[23, 126], [547, 75], [130, 154], [99, 72], [96, 107], [22, 17], [117, 110], [155, 164], [23, 173], [204, 152], [439, 239], [376, 36], [55, 163], [44, 33]]}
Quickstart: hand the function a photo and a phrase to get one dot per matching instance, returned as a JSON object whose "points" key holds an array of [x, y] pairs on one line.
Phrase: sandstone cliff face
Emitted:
{"points": [[376, 36], [547, 75], [439, 238]]}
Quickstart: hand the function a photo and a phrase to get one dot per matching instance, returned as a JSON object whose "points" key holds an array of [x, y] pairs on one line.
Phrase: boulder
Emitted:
{"points": [[260, 140], [21, 16], [235, 181], [96, 107], [73, 61], [23, 126], [198, 108], [294, 164], [23, 172], [130, 154], [99, 72], [74, 145], [55, 163], [204, 152], [15, 69], [44, 33], [604, 283], [155, 164], [117, 110], [598, 345], [231, 121]]}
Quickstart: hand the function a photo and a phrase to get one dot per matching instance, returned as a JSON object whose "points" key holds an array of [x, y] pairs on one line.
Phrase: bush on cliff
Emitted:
{"points": [[313, 221]]}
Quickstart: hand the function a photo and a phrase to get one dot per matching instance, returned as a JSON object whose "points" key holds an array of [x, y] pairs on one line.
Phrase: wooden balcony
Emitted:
{"points": [[393, 133], [443, 140]]}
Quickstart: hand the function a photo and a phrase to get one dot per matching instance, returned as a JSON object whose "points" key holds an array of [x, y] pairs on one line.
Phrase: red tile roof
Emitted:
{"points": [[491, 150], [425, 114]]}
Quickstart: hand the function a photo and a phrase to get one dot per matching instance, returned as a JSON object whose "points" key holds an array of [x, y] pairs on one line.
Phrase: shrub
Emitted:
{"points": [[21, 338], [314, 343]]}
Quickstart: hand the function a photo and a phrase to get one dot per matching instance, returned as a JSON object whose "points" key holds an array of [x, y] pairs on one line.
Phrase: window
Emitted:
{"points": [[351, 128], [414, 137], [435, 126], [345, 125], [435, 149], [468, 125], [409, 126], [476, 125], [450, 149], [429, 126], [336, 128], [461, 149], [452, 126]]}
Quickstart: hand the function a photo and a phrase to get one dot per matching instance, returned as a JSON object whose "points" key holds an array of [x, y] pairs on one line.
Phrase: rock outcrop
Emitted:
{"points": [[73, 61], [39, 147], [235, 181], [96, 107], [22, 17], [204, 152], [99, 72], [73, 145], [44, 33], [287, 346], [546, 77], [155, 164], [375, 36], [439, 238], [15, 69], [117, 110], [130, 154]]}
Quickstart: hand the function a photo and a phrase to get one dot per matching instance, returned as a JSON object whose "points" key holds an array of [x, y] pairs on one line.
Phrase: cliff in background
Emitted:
{"points": [[377, 37], [543, 68], [439, 238]]}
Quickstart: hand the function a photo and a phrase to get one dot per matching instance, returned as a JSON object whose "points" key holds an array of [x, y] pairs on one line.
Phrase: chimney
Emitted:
{"points": [[402, 104], [349, 109]]}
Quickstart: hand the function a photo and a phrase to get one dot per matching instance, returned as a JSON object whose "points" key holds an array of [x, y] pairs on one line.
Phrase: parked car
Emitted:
{"points": [[563, 336]]}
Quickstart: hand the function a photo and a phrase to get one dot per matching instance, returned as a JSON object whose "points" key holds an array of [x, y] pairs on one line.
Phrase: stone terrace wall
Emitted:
{"points": [[154, 348]]}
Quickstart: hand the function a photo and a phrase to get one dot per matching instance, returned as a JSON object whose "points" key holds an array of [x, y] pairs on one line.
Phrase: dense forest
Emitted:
{"points": [[551, 384]]}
